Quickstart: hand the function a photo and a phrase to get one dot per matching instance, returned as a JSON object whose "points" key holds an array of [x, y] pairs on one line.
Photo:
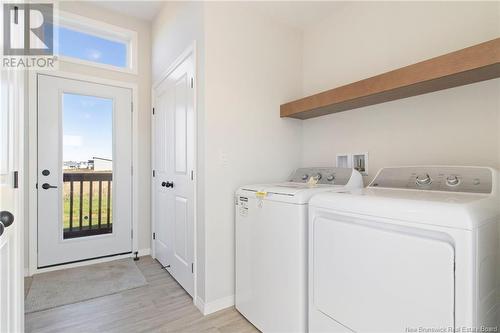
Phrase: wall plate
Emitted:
{"points": [[344, 161], [359, 161]]}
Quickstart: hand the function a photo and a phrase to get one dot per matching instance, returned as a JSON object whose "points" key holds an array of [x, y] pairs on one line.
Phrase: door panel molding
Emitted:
{"points": [[181, 122], [180, 233], [31, 267]]}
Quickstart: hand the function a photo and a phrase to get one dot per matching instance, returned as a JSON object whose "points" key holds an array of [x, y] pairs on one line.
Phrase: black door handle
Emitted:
{"points": [[167, 184], [6, 219], [46, 186]]}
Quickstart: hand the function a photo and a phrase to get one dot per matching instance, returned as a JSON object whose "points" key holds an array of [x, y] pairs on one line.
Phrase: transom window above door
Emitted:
{"points": [[83, 46], [81, 40]]}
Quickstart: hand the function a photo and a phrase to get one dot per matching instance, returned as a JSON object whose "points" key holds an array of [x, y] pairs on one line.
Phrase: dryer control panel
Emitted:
{"points": [[436, 178], [330, 176]]}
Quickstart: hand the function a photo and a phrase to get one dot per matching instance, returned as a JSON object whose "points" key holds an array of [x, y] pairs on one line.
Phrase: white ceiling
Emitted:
{"points": [[299, 14], [145, 10]]}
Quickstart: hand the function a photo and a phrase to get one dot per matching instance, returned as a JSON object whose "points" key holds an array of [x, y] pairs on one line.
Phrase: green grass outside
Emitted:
{"points": [[86, 204]]}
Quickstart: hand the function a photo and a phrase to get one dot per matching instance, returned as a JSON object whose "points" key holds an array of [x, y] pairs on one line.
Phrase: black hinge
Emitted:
{"points": [[192, 267], [16, 15], [153, 110], [154, 235], [192, 82], [154, 173], [16, 179]]}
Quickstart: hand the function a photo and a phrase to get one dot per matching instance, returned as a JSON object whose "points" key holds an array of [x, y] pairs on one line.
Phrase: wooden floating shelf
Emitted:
{"points": [[473, 64]]}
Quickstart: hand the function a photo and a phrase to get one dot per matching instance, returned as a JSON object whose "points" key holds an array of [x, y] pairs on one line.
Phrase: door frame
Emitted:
{"points": [[189, 51], [19, 93], [33, 167]]}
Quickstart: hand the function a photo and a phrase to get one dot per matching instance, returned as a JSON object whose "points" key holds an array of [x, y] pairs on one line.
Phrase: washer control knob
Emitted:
{"points": [[305, 176], [452, 180], [423, 179], [318, 176], [330, 177]]}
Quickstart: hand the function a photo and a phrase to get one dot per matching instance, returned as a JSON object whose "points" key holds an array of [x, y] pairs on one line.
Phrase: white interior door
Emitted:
{"points": [[173, 184], [84, 170], [11, 263]]}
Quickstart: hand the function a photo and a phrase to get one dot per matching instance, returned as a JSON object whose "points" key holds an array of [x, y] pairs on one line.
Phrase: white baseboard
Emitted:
{"points": [[198, 302], [214, 306], [144, 252], [26, 271]]}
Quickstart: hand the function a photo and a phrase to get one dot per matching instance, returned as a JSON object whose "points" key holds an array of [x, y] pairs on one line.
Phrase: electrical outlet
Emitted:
{"points": [[223, 158]]}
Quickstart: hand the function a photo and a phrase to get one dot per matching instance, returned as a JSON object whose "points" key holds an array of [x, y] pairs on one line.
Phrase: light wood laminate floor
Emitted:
{"points": [[160, 306]]}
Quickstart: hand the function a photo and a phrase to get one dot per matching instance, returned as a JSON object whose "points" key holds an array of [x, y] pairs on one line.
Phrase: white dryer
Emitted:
{"points": [[271, 246], [416, 251]]}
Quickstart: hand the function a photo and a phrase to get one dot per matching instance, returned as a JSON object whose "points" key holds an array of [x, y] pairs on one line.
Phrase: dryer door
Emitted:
{"points": [[371, 279]]}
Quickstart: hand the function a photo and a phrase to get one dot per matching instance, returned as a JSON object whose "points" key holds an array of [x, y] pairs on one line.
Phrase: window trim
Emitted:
{"points": [[104, 30]]}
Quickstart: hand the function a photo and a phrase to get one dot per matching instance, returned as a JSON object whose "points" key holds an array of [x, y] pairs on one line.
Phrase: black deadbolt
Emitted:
{"points": [[45, 172]]}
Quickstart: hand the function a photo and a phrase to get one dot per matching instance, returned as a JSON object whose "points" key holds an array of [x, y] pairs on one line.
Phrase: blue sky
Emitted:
{"points": [[80, 45], [87, 127], [87, 120]]}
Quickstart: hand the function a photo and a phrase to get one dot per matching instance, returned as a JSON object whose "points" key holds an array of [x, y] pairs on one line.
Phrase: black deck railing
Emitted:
{"points": [[81, 219]]}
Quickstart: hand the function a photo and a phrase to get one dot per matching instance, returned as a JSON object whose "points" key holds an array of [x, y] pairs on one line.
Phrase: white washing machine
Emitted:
{"points": [[271, 246], [416, 251]]}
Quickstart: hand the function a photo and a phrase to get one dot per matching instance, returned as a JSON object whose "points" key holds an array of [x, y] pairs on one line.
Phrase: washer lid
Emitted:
{"points": [[454, 210], [298, 193]]}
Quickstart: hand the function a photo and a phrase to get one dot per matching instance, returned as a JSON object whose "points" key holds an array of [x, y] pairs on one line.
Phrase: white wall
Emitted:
{"points": [[143, 80], [252, 66], [174, 29], [455, 126]]}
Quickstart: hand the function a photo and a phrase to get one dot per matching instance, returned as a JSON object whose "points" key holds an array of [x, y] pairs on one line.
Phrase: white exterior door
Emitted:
{"points": [[11, 263], [84, 170], [173, 184]]}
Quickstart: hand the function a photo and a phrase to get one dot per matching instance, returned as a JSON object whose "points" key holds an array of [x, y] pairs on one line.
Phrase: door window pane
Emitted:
{"points": [[87, 165]]}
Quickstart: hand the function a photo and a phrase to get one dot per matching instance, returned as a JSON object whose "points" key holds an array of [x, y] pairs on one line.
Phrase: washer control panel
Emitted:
{"points": [[435, 178], [331, 176]]}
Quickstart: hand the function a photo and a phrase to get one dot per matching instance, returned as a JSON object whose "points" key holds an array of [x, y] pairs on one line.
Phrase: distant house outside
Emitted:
{"points": [[76, 165], [102, 164]]}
